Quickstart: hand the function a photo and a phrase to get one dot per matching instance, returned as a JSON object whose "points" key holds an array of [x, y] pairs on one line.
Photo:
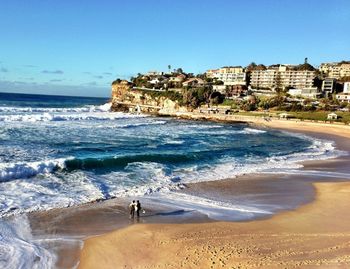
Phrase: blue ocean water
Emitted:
{"points": [[58, 151]]}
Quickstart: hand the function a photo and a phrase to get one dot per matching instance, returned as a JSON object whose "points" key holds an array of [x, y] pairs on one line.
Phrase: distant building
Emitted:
{"points": [[346, 87], [154, 73], [233, 75], [332, 116], [328, 85], [307, 92], [157, 80], [178, 79], [234, 91], [336, 70], [194, 82], [220, 88], [343, 97], [284, 75]]}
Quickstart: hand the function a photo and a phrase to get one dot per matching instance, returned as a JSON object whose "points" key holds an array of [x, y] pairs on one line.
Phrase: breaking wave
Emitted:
{"points": [[67, 117], [225, 168], [9, 171], [88, 108]]}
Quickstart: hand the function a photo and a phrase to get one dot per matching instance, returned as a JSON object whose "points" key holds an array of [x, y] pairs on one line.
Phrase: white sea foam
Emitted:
{"points": [[174, 142], [88, 108], [212, 130], [90, 112], [18, 248], [230, 168], [67, 117], [159, 122], [251, 131], [53, 191], [214, 209], [204, 127], [9, 171]]}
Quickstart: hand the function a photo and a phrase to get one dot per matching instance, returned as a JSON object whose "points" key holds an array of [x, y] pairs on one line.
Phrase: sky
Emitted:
{"points": [[78, 48]]}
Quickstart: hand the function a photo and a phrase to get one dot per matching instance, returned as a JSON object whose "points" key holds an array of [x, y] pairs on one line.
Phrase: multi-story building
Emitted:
{"points": [[328, 85], [233, 75], [345, 95], [285, 76], [336, 70]]}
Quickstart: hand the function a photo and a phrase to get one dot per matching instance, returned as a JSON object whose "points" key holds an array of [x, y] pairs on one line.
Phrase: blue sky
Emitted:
{"points": [[79, 47]]}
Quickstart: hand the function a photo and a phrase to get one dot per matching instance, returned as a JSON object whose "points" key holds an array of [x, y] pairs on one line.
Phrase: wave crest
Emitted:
{"points": [[88, 108], [10, 171]]}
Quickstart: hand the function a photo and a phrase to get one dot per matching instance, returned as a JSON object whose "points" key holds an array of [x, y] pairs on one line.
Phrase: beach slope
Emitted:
{"points": [[314, 235]]}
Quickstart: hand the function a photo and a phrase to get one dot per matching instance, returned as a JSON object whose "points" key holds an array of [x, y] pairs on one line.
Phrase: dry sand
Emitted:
{"points": [[316, 235]]}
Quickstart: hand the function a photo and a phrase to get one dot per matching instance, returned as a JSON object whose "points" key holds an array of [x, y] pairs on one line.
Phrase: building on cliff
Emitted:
{"points": [[283, 75], [234, 75]]}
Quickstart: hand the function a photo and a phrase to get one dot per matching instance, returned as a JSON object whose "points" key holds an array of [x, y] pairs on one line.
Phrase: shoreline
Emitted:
{"points": [[289, 125]]}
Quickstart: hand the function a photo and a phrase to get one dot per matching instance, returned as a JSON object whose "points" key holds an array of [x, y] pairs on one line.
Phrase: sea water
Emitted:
{"points": [[58, 151]]}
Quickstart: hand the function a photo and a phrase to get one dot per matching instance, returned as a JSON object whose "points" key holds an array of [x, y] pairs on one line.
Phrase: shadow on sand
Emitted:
{"points": [[171, 213]]}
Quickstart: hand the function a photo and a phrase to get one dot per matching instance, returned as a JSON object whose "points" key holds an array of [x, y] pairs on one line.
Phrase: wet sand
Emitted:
{"points": [[317, 233]]}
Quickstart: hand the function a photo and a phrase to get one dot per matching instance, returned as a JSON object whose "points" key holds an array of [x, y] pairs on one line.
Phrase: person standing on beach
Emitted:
{"points": [[138, 208], [132, 208]]}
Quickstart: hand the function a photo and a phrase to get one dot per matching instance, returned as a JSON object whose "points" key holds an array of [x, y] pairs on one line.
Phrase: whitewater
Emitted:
{"points": [[71, 151]]}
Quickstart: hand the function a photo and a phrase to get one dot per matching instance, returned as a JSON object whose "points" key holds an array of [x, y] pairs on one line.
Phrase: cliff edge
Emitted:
{"points": [[126, 98]]}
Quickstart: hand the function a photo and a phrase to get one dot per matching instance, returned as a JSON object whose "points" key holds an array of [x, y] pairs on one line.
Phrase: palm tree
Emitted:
{"points": [[169, 67]]}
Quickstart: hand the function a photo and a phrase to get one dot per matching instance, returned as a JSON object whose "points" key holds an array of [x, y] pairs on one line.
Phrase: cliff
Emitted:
{"points": [[127, 99]]}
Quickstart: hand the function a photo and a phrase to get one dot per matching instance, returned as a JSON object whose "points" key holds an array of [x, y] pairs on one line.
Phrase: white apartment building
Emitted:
{"points": [[234, 75], [335, 70], [299, 79], [328, 85], [154, 73], [346, 87]]}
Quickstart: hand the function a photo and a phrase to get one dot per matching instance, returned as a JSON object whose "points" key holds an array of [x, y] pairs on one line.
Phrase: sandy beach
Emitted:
{"points": [[315, 235]]}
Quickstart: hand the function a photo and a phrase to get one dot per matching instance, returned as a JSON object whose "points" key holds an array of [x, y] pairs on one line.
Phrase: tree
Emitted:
{"points": [[251, 66], [278, 83], [169, 67], [218, 82], [118, 80], [179, 71], [304, 67], [216, 98]]}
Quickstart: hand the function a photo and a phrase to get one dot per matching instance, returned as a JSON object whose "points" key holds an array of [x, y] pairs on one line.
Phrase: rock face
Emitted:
{"points": [[127, 99]]}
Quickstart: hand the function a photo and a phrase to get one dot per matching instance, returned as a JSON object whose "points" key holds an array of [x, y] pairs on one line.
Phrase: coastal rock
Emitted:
{"points": [[128, 99]]}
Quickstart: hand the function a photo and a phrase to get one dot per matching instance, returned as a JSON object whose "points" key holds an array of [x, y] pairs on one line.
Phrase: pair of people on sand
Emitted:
{"points": [[135, 207]]}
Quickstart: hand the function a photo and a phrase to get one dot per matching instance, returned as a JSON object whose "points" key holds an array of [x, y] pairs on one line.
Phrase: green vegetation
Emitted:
{"points": [[191, 97], [174, 96], [321, 116], [313, 116]]}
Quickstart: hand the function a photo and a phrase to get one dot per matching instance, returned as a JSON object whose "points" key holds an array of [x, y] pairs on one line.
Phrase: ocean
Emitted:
{"points": [[60, 151]]}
